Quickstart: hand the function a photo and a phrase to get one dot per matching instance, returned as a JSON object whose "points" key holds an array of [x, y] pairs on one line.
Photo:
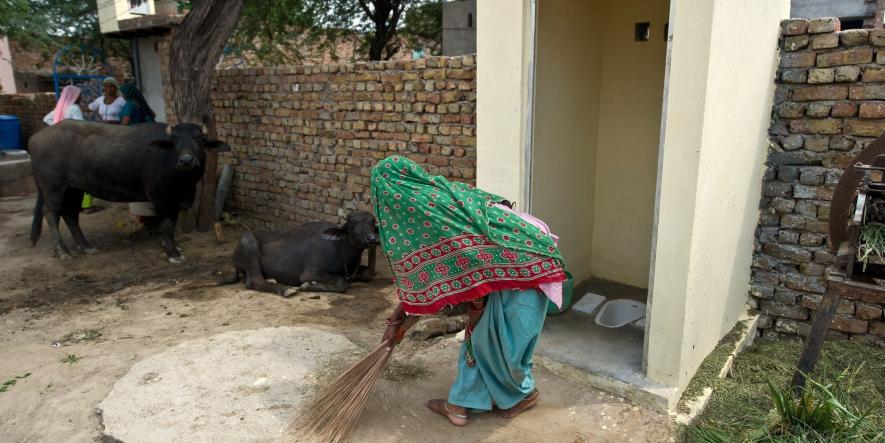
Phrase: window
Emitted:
{"points": [[469, 19], [641, 31]]}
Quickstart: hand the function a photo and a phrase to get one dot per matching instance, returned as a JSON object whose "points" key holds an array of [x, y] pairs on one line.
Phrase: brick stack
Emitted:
{"points": [[304, 138], [29, 108], [829, 105]]}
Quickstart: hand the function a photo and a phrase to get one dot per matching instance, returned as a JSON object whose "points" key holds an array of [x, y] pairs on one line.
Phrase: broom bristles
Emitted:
{"points": [[332, 415]]}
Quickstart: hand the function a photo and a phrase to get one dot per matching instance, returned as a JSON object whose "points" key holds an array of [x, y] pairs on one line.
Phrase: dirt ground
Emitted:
{"points": [[70, 329]]}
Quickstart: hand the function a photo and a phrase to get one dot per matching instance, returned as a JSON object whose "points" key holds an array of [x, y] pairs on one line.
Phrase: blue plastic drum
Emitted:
{"points": [[10, 132]]}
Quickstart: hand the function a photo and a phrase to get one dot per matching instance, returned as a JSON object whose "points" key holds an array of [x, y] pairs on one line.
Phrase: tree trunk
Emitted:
{"points": [[196, 48], [385, 16]]}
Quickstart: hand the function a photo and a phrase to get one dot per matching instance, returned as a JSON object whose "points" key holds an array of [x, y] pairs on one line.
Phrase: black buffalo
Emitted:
{"points": [[317, 256], [149, 162]]}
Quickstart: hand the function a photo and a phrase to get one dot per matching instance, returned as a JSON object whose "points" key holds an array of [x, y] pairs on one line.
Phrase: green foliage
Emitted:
{"points": [[843, 400], [872, 242], [48, 25], [70, 359], [277, 31], [274, 29], [423, 27]]}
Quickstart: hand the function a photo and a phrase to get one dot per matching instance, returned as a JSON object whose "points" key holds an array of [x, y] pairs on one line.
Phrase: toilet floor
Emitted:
{"points": [[576, 340]]}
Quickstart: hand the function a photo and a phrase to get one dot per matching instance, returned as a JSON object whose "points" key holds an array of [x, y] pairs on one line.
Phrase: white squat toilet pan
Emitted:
{"points": [[620, 312]]}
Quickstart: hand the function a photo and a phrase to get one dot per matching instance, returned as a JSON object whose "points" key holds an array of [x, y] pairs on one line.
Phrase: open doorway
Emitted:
{"points": [[598, 91]]}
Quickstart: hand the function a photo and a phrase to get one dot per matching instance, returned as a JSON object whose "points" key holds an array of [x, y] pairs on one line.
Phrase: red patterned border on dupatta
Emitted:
{"points": [[478, 266]]}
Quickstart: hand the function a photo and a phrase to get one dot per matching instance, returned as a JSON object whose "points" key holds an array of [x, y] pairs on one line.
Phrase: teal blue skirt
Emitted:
{"points": [[503, 342]]}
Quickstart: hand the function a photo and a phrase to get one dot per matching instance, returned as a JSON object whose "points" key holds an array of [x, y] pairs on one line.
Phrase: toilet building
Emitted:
{"points": [[638, 130]]}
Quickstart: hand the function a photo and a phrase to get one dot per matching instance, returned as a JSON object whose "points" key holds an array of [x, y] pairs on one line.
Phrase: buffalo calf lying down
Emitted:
{"points": [[319, 257], [149, 162]]}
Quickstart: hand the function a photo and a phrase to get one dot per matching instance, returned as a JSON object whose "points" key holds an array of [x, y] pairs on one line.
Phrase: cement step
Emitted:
{"points": [[16, 175]]}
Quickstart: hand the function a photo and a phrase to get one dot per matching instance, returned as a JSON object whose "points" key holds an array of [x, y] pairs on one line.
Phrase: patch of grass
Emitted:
{"points": [[708, 373], [80, 335], [843, 401], [71, 359], [12, 381]]}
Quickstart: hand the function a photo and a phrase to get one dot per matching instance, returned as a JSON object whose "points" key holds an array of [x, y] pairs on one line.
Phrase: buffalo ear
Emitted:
{"points": [[334, 234], [161, 145], [218, 146]]}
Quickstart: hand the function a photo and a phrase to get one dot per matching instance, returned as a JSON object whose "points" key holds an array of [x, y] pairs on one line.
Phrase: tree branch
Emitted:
{"points": [[366, 9]]}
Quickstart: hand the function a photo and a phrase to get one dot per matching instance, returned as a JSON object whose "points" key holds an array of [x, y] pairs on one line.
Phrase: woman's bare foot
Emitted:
{"points": [[456, 414], [526, 404]]}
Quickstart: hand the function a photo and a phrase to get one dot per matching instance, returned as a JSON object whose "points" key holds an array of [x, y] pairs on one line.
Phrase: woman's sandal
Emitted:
{"points": [[441, 407], [527, 403]]}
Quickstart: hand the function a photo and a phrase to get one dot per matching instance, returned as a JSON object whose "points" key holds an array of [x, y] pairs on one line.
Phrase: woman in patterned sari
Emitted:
{"points": [[450, 243]]}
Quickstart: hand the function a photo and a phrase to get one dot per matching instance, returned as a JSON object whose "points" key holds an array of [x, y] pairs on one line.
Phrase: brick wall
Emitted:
{"points": [[305, 138], [829, 105], [29, 108]]}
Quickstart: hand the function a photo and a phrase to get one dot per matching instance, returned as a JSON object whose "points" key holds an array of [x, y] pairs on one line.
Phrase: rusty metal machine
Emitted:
{"points": [[857, 208], [858, 204]]}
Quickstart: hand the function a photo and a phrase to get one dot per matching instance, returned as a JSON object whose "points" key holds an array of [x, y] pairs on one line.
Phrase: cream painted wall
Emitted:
{"points": [[740, 92], [628, 139], [7, 76], [110, 12], [567, 91], [502, 46], [719, 95], [679, 160], [150, 76]]}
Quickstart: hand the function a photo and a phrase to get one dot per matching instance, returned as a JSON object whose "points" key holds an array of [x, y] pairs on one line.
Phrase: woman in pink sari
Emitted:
{"points": [[68, 108]]}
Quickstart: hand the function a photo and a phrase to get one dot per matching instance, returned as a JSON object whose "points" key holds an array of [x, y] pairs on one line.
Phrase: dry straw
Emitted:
{"points": [[332, 415]]}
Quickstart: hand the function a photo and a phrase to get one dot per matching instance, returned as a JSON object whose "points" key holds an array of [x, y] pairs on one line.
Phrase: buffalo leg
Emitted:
{"points": [[246, 259], [316, 281], [167, 233], [53, 214], [71, 214], [53, 204], [364, 274]]}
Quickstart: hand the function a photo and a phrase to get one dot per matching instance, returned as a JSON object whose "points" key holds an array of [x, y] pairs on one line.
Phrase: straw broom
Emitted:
{"points": [[332, 415]]}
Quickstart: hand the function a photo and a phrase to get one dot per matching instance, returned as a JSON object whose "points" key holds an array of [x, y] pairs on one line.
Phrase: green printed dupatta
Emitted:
{"points": [[447, 242]]}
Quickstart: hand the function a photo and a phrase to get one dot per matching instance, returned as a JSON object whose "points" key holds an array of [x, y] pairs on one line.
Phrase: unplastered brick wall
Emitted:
{"points": [[29, 108], [305, 138], [829, 105]]}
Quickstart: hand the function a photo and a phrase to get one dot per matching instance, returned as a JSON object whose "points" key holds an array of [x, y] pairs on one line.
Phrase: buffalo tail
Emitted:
{"points": [[37, 223]]}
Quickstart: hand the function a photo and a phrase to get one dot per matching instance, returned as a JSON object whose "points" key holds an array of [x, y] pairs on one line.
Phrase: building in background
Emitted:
{"points": [[854, 14], [148, 24], [459, 27]]}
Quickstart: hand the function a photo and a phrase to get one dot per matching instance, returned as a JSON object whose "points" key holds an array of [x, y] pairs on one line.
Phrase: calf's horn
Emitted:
{"points": [[168, 129], [204, 128]]}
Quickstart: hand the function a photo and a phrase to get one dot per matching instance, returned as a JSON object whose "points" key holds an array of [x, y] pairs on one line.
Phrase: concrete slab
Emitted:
{"points": [[236, 386], [572, 345]]}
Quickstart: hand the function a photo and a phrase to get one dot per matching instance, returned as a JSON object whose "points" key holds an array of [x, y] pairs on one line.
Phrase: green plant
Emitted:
{"points": [[12, 381], [871, 243], [817, 413], [70, 359], [708, 434]]}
